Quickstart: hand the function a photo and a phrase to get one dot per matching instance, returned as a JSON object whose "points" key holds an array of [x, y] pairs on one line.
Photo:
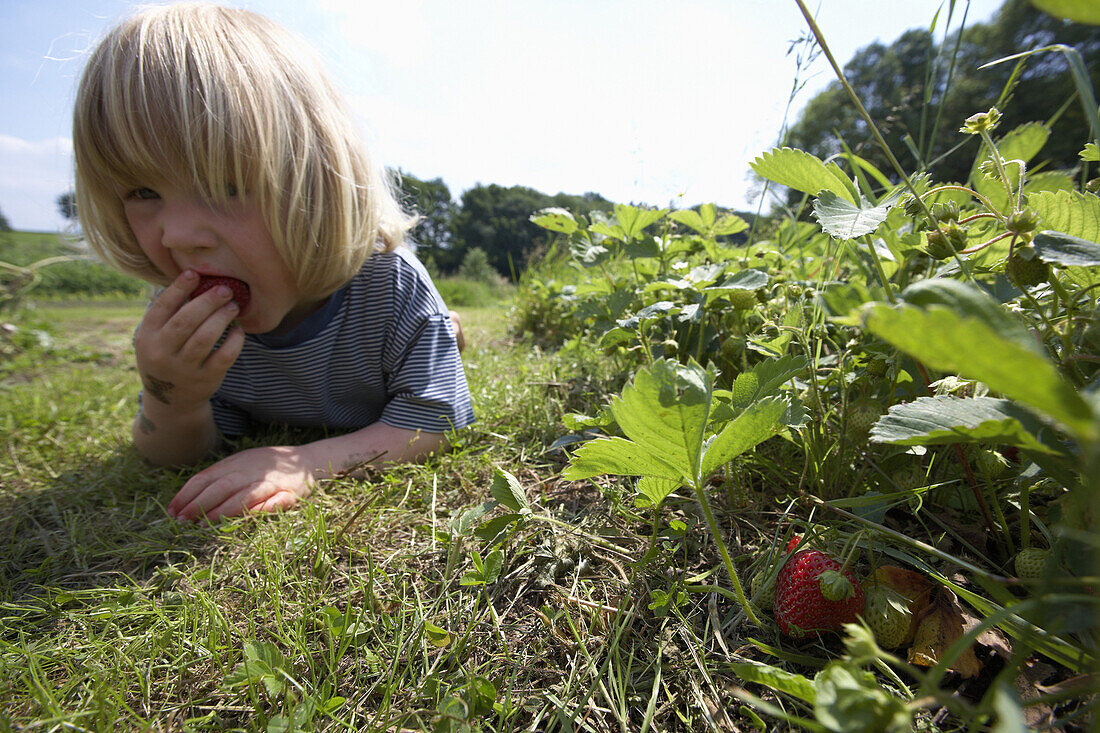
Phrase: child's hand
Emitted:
{"points": [[175, 341], [254, 480]]}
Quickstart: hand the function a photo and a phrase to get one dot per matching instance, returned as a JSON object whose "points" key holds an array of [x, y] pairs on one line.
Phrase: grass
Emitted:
{"points": [[405, 600], [348, 613]]}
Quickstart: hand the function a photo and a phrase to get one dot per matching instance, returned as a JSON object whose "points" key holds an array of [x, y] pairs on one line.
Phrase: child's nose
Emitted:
{"points": [[185, 225]]}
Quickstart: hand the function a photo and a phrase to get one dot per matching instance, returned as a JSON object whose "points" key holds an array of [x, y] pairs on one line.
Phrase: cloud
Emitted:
{"points": [[33, 173]]}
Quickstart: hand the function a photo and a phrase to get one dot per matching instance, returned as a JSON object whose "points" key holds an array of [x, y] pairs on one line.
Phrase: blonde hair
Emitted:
{"points": [[229, 98]]}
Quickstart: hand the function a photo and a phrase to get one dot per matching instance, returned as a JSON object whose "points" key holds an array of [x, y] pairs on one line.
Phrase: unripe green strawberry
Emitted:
{"points": [[762, 591], [732, 348], [887, 614], [1027, 272], [946, 211], [877, 367], [1024, 220], [909, 477], [990, 462], [1032, 563], [742, 299], [862, 414], [938, 248], [911, 204], [799, 605]]}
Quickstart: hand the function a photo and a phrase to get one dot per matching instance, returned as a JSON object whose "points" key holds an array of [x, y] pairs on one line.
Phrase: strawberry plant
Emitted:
{"points": [[935, 358]]}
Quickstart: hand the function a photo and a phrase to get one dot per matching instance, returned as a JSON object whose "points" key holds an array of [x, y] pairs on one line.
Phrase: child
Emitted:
{"points": [[214, 158]]}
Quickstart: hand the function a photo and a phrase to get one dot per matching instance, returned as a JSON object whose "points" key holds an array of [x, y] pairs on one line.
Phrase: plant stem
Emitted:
{"points": [[739, 592], [881, 272], [871, 123]]}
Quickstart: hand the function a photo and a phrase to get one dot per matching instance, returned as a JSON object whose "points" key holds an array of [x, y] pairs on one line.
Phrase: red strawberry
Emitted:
{"points": [[241, 293], [801, 606]]}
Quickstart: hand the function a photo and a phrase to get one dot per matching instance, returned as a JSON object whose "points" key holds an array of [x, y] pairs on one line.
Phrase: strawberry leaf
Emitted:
{"points": [[799, 170], [1066, 250], [968, 340], [844, 220], [944, 420], [1069, 212]]}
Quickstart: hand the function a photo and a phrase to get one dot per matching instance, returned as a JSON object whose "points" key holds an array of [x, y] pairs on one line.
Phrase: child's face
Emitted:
{"points": [[178, 230]]}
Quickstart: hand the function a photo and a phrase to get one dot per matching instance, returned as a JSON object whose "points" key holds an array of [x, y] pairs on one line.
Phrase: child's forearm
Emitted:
{"points": [[170, 437], [373, 445]]}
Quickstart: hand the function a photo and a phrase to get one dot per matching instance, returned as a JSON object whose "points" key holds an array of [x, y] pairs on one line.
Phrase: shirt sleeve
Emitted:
{"points": [[231, 420], [425, 382]]}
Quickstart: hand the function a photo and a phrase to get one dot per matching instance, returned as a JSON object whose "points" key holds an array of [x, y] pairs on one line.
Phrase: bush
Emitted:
{"points": [[460, 292]]}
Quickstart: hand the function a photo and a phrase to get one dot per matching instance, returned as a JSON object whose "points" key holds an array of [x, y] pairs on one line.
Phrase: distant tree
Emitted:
{"points": [[908, 102], [475, 266], [497, 219], [66, 204], [5, 226], [435, 210]]}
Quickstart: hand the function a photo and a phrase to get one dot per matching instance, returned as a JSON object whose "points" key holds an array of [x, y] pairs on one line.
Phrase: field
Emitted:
{"points": [[836, 470]]}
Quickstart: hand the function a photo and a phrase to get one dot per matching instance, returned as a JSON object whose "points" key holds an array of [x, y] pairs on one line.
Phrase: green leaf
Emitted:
{"points": [[657, 489], [587, 253], [1066, 250], [1069, 212], [507, 490], [556, 220], [799, 170], [753, 426], [618, 457], [665, 412], [850, 700], [766, 378], [691, 218], [1079, 11], [844, 220], [633, 220], [730, 224], [943, 419], [969, 301], [973, 347], [1091, 153], [777, 679]]}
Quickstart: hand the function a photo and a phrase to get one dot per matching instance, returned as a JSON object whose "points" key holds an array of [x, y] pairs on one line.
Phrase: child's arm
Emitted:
{"points": [[181, 370], [276, 477]]}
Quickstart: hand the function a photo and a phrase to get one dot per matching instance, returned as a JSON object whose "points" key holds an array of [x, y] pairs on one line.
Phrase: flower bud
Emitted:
{"points": [[981, 122]]}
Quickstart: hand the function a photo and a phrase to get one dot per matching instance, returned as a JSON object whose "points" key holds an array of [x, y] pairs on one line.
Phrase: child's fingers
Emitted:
{"points": [[204, 491], [200, 344], [171, 299], [228, 350], [214, 502]]}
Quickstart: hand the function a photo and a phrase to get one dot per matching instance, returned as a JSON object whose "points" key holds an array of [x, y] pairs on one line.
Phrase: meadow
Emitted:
{"points": [[683, 418]]}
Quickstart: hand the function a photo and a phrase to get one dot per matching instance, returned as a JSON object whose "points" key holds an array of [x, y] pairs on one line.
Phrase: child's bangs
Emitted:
{"points": [[182, 112]]}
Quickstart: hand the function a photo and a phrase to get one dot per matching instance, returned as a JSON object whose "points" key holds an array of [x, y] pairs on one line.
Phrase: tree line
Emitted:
{"points": [[919, 92]]}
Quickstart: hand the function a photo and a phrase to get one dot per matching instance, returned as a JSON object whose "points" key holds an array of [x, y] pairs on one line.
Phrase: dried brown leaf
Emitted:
{"points": [[940, 625]]}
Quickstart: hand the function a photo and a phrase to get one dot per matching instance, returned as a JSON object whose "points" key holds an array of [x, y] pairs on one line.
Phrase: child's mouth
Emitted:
{"points": [[241, 293]]}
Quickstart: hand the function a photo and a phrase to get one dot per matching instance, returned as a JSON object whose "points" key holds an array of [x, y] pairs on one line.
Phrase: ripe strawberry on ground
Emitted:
{"points": [[887, 614], [800, 604], [1032, 563], [241, 293]]}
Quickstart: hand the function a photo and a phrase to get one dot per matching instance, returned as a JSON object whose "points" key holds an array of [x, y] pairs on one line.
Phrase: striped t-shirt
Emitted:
{"points": [[381, 348]]}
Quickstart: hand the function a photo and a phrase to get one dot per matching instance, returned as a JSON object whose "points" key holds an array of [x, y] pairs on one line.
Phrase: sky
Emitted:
{"points": [[647, 101]]}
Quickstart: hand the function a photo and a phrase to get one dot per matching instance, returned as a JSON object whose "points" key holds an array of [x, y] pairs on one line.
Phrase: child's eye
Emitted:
{"points": [[230, 190], [143, 194]]}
